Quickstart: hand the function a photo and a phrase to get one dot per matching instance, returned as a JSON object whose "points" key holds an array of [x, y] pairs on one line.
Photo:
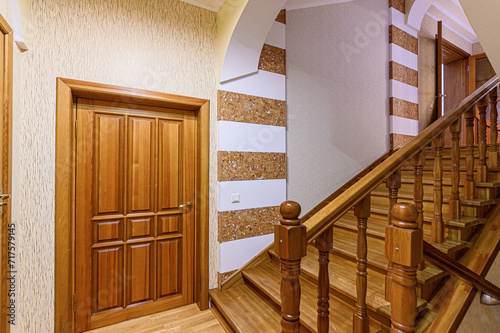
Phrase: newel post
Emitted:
{"points": [[404, 249], [290, 243]]}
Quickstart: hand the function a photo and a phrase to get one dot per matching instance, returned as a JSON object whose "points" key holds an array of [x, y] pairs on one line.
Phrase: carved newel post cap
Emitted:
{"points": [[290, 211], [404, 212]]}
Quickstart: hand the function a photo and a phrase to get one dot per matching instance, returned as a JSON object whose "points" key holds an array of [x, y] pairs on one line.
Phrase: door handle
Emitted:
{"points": [[188, 205], [4, 196]]}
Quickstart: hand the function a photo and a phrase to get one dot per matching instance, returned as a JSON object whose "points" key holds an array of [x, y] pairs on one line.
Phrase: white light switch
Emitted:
{"points": [[235, 198]]}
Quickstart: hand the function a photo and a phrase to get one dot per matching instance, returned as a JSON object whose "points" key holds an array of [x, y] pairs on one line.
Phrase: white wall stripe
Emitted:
{"points": [[236, 136], [404, 91], [400, 125], [398, 19], [276, 36], [404, 57], [253, 194], [262, 84], [234, 254]]}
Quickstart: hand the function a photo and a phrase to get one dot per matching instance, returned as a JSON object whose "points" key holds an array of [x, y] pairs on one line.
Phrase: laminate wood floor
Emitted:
{"points": [[188, 319]]}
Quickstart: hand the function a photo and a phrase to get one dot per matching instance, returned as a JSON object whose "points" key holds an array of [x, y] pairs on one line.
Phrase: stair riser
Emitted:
{"points": [[475, 211], [487, 192], [494, 176], [424, 291], [462, 234]]}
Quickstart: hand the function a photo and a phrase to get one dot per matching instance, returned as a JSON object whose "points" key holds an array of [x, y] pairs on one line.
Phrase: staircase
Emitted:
{"points": [[355, 244]]}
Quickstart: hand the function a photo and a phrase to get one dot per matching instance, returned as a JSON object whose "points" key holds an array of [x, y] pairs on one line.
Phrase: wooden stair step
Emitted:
{"points": [[464, 222], [343, 282], [350, 222], [427, 181], [451, 246], [344, 245], [267, 278], [401, 195], [487, 184], [245, 311], [479, 202]]}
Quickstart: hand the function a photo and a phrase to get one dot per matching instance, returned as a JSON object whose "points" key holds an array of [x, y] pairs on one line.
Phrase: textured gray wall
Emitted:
{"points": [[337, 95], [160, 45]]}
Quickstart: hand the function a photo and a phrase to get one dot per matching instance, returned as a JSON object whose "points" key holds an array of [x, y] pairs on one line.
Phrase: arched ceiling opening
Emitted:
{"points": [[242, 27]]}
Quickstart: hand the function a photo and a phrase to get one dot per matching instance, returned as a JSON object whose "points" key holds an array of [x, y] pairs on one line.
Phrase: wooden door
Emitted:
{"points": [[455, 83], [451, 76], [135, 167]]}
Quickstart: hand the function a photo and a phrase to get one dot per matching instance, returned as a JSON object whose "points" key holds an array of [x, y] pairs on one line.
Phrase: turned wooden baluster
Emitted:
{"points": [[404, 249], [482, 169], [324, 244], [469, 187], [437, 227], [454, 203], [494, 160], [290, 242], [393, 184], [418, 162], [360, 317]]}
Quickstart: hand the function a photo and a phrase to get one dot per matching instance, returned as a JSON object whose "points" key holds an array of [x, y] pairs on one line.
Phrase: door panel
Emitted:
{"points": [[140, 277], [107, 231], [168, 224], [141, 164], [134, 245], [168, 267], [140, 227], [169, 164], [109, 166], [108, 272]]}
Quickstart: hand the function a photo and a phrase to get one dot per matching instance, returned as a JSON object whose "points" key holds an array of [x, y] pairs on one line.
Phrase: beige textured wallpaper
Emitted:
{"points": [[160, 45]]}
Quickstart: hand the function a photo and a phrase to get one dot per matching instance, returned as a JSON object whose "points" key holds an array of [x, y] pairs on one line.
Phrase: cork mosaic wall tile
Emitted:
{"points": [[399, 140], [224, 276], [403, 74], [403, 39], [281, 16], [403, 108], [398, 4], [273, 59], [245, 223], [251, 166], [250, 109]]}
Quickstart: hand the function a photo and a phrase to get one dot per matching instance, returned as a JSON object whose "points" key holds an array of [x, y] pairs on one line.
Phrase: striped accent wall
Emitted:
{"points": [[252, 155], [403, 76]]}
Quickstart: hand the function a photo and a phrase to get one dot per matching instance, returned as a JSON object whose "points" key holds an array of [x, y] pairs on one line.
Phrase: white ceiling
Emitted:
{"points": [[448, 11], [213, 5], [298, 4], [453, 16]]}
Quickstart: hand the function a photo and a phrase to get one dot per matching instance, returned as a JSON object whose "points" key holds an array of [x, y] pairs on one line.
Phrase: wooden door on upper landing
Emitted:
{"points": [[135, 168], [452, 77]]}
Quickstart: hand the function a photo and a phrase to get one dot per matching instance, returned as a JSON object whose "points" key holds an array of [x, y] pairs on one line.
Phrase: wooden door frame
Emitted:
{"points": [[6, 102], [67, 91]]}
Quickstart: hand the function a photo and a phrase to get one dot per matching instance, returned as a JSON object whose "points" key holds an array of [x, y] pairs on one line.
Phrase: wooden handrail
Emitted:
{"points": [[454, 267], [328, 215]]}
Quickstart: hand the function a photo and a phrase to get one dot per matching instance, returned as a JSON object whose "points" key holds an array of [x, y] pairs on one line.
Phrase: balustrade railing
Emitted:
{"points": [[404, 233]]}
